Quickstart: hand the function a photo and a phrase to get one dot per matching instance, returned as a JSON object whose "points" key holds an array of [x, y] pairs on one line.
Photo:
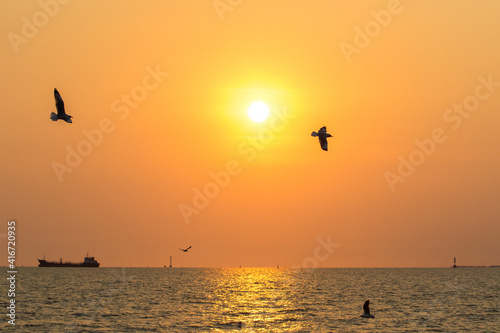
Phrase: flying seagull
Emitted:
{"points": [[185, 250], [366, 308], [61, 114], [322, 135]]}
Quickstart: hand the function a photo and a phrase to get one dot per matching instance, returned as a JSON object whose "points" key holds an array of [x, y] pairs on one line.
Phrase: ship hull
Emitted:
{"points": [[44, 263]]}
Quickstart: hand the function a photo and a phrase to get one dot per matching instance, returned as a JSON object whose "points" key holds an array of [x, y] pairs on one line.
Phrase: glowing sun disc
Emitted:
{"points": [[258, 112]]}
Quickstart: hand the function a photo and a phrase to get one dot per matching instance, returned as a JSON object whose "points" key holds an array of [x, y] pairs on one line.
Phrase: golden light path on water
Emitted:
{"points": [[258, 297]]}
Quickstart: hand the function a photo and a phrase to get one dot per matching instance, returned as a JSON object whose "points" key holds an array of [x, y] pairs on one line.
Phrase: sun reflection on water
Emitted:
{"points": [[258, 297]]}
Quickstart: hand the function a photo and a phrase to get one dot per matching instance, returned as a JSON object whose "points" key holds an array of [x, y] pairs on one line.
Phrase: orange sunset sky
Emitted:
{"points": [[159, 92]]}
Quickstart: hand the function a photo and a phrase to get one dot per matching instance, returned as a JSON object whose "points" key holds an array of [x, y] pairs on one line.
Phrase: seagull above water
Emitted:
{"points": [[322, 135], [366, 308], [185, 250], [61, 114]]}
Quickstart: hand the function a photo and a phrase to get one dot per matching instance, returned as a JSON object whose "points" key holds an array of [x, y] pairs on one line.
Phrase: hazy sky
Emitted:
{"points": [[162, 155]]}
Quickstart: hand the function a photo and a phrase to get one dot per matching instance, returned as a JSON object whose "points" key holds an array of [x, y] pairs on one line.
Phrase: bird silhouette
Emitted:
{"points": [[185, 250], [366, 310], [322, 135], [61, 114]]}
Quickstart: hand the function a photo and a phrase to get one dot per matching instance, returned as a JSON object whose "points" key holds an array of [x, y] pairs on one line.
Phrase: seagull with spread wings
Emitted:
{"points": [[322, 135], [61, 114], [185, 250]]}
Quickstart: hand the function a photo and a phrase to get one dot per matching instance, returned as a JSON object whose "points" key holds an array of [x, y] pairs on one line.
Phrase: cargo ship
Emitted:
{"points": [[87, 262]]}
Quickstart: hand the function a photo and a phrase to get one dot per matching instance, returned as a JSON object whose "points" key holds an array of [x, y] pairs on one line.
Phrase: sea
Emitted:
{"points": [[253, 300]]}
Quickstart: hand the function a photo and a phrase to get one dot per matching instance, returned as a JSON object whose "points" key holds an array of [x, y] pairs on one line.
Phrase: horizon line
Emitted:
{"points": [[279, 267]]}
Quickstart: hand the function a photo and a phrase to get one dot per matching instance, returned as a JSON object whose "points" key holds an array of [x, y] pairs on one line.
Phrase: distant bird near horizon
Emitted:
{"points": [[61, 113], [366, 310], [185, 250], [322, 135]]}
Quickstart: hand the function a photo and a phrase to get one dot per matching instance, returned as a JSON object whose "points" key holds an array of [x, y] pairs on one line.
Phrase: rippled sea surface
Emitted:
{"points": [[262, 299]]}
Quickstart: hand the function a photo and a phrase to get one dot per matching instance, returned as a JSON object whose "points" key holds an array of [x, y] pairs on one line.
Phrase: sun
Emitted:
{"points": [[258, 111]]}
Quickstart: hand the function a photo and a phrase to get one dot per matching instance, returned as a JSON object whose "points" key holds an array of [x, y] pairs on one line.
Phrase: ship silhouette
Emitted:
{"points": [[87, 262]]}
